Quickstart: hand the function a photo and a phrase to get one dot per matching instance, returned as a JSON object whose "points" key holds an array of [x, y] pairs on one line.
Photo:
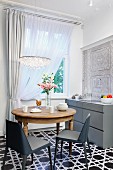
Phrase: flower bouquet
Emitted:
{"points": [[47, 85]]}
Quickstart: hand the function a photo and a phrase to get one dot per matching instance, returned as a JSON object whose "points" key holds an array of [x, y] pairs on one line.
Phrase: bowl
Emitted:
{"points": [[107, 100], [76, 97], [62, 107], [62, 104]]}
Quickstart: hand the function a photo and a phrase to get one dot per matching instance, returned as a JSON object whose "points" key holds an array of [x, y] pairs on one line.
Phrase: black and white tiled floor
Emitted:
{"points": [[101, 159]]}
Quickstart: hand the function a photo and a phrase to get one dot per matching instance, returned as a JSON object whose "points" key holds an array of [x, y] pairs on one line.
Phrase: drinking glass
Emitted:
{"points": [[38, 102]]}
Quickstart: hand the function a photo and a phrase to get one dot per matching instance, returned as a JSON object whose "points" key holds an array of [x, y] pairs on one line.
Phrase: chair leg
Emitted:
{"points": [[89, 146], [24, 161], [6, 150], [32, 158], [61, 147], [55, 151], [85, 155], [50, 157]]}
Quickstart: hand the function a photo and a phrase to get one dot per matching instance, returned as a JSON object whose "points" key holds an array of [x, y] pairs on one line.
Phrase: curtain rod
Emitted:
{"points": [[47, 17], [44, 13]]}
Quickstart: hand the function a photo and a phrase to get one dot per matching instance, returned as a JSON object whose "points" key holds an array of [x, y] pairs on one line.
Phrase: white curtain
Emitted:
{"points": [[45, 38], [15, 26]]}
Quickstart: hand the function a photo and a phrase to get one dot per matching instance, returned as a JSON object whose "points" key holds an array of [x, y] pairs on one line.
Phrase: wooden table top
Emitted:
{"points": [[44, 113]]}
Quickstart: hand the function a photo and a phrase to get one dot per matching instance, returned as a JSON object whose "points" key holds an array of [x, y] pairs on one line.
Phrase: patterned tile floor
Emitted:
{"points": [[101, 159]]}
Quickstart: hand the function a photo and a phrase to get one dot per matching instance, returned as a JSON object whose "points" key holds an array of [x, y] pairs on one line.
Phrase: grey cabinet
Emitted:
{"points": [[101, 123]]}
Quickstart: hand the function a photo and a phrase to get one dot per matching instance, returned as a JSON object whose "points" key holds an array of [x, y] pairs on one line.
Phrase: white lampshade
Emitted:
{"points": [[34, 61]]}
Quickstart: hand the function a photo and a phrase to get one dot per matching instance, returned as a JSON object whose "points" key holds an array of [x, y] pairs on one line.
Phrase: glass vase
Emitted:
{"points": [[48, 100]]}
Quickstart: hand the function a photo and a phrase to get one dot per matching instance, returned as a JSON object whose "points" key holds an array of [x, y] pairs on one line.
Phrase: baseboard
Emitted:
{"points": [[40, 129], [1, 133]]}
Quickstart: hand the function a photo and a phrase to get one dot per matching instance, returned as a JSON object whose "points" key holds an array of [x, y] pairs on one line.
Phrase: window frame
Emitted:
{"points": [[65, 84]]}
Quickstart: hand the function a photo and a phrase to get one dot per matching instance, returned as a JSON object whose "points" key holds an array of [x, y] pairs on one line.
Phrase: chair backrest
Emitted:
{"points": [[16, 139], [85, 129]]}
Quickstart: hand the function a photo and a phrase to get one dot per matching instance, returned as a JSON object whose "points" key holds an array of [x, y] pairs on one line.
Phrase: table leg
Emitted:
{"points": [[25, 128], [70, 143], [58, 127]]}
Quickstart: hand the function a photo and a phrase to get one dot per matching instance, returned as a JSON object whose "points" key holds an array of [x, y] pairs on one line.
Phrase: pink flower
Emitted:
{"points": [[47, 83], [47, 86], [55, 86]]}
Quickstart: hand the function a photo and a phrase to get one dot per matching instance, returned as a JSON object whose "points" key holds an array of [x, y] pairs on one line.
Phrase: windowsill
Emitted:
{"points": [[52, 98], [56, 97]]}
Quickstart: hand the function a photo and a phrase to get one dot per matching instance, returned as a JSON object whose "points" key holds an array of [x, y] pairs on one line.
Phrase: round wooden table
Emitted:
{"points": [[44, 117]]}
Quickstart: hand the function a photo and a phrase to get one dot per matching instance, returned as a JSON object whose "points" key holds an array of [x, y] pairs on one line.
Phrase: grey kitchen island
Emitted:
{"points": [[101, 123]]}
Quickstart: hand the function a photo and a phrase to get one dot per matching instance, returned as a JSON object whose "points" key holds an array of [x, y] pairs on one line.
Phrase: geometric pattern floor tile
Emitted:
{"points": [[101, 159]]}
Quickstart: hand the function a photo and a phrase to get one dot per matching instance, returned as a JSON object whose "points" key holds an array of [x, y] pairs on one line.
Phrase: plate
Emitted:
{"points": [[35, 110]]}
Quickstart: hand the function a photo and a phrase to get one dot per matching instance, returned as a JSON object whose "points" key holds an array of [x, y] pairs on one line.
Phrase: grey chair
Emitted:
{"points": [[17, 140], [75, 137]]}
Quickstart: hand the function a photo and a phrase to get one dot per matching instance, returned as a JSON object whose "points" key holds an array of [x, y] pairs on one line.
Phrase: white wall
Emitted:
{"points": [[98, 27], [75, 69], [76, 61]]}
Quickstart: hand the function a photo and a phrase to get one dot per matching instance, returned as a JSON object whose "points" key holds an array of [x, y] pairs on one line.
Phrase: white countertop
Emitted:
{"points": [[92, 101]]}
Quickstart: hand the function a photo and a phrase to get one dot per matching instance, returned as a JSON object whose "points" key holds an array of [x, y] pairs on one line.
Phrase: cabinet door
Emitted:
{"points": [[96, 120], [78, 116], [92, 106], [73, 102], [96, 136], [77, 126]]}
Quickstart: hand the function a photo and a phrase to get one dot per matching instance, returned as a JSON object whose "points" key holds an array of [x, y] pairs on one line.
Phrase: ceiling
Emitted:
{"points": [[78, 8]]}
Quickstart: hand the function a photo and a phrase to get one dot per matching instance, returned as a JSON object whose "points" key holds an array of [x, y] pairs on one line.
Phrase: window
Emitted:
{"points": [[48, 38], [59, 78]]}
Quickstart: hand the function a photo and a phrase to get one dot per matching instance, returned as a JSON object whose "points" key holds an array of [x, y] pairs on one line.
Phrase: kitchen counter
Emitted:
{"points": [[101, 123], [92, 101]]}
